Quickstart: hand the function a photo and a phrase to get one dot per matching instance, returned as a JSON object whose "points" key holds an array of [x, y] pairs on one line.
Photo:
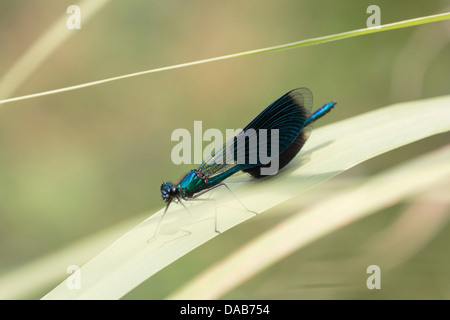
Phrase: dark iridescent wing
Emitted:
{"points": [[288, 114]]}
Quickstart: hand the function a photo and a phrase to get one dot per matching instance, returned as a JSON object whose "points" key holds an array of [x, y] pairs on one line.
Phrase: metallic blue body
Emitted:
{"points": [[290, 115]]}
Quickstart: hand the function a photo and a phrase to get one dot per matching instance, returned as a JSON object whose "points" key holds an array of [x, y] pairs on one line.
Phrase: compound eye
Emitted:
{"points": [[174, 189]]}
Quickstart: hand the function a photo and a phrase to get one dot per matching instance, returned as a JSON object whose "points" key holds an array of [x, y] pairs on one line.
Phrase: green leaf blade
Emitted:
{"points": [[332, 149]]}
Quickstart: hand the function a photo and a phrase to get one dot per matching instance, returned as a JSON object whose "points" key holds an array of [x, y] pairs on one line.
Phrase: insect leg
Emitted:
{"points": [[215, 208], [163, 215], [216, 186], [159, 222], [223, 184]]}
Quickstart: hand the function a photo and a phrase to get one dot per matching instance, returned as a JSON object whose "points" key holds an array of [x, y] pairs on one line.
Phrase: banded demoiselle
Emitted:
{"points": [[290, 115]]}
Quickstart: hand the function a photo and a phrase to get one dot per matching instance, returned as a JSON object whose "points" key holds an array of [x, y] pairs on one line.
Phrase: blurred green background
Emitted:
{"points": [[76, 163]]}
